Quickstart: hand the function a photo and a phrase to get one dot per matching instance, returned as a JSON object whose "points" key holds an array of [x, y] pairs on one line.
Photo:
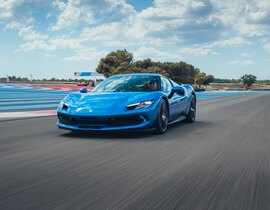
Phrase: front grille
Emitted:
{"points": [[89, 120], [65, 119], [99, 122], [125, 121]]}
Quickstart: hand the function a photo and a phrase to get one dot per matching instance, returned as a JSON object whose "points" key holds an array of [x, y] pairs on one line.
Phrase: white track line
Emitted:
{"points": [[27, 114]]}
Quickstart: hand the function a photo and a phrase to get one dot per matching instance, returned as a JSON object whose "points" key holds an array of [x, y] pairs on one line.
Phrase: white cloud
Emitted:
{"points": [[242, 62], [248, 62], [105, 32], [7, 7], [188, 21], [14, 25], [200, 27], [53, 44], [20, 10], [157, 14], [73, 14], [152, 53], [76, 12], [267, 46], [30, 46], [245, 55], [59, 4], [205, 21], [26, 32], [248, 18], [49, 15], [200, 51], [197, 4], [230, 42], [257, 16], [86, 55]]}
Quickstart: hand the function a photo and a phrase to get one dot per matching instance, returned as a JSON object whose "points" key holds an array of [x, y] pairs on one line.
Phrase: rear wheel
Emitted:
{"points": [[192, 110], [161, 123]]}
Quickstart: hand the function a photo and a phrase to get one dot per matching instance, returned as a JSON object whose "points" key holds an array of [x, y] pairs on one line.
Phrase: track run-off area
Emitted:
{"points": [[38, 100], [222, 161]]}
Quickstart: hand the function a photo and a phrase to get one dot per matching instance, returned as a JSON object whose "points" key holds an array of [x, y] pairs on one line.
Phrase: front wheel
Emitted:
{"points": [[161, 123], [192, 110]]}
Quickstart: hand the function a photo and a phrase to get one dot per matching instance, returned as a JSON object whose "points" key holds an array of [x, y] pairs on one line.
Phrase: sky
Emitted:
{"points": [[59, 37]]}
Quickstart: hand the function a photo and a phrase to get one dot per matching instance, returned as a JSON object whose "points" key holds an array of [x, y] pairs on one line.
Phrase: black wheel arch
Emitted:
{"points": [[194, 94], [167, 102]]}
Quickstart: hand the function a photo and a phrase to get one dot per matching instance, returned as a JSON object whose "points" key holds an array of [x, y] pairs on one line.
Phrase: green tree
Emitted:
{"points": [[113, 60], [146, 63], [208, 79], [156, 70], [181, 72], [203, 79], [200, 78], [125, 68], [121, 62], [248, 80]]}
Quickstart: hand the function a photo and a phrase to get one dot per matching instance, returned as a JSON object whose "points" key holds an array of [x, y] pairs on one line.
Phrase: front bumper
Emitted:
{"points": [[137, 120]]}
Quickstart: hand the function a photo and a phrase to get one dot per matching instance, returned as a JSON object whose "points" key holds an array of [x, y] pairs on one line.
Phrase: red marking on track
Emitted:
{"points": [[50, 112], [63, 87]]}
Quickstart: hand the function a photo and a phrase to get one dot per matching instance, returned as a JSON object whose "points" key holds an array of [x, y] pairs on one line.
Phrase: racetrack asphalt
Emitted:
{"points": [[220, 162]]}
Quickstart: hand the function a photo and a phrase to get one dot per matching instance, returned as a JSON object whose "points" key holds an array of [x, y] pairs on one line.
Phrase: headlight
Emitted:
{"points": [[63, 105], [140, 105]]}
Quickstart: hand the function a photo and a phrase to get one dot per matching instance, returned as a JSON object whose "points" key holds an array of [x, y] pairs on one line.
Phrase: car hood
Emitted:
{"points": [[106, 103]]}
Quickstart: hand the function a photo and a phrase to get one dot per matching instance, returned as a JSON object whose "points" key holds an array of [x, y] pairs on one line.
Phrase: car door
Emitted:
{"points": [[181, 98], [176, 101]]}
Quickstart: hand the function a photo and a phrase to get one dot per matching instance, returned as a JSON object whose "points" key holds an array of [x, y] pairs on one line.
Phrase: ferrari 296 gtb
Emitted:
{"points": [[128, 102]]}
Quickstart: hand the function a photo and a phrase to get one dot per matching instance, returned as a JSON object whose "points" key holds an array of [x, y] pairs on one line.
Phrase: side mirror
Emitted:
{"points": [[176, 89], [83, 90]]}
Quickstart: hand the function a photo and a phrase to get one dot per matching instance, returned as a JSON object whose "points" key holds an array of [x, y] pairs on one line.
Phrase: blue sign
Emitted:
{"points": [[87, 74]]}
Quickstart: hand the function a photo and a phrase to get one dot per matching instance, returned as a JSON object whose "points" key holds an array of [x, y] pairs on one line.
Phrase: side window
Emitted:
{"points": [[165, 85]]}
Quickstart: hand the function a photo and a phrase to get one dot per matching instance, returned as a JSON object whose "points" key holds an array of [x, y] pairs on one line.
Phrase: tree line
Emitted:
{"points": [[122, 62], [247, 79]]}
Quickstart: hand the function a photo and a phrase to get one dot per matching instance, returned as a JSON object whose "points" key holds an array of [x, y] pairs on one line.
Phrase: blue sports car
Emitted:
{"points": [[129, 102]]}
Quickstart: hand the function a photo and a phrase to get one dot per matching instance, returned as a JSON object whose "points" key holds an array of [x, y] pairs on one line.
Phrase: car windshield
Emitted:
{"points": [[129, 83]]}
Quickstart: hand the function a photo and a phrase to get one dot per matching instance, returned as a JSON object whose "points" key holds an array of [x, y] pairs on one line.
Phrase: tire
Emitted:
{"points": [[191, 117], [161, 123]]}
